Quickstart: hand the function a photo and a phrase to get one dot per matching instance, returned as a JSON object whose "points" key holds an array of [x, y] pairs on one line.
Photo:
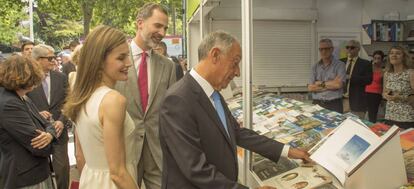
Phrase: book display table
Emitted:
{"points": [[298, 124]]}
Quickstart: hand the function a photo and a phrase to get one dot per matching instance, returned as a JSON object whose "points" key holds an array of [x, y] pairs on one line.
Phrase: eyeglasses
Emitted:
{"points": [[325, 49], [350, 47], [49, 58]]}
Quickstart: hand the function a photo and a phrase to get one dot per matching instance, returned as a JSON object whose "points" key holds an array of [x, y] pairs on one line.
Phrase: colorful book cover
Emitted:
{"points": [[380, 128], [266, 169], [307, 122], [407, 139], [306, 140], [409, 164]]}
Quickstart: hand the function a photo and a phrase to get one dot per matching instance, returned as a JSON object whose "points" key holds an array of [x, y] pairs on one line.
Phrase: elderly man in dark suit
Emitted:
{"points": [[197, 131], [358, 75], [49, 98]]}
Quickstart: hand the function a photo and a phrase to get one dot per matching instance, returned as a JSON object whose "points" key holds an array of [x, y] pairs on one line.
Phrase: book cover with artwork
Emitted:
{"points": [[344, 151], [306, 140], [343, 148], [379, 128], [307, 122], [409, 164], [266, 169], [300, 178], [407, 139]]}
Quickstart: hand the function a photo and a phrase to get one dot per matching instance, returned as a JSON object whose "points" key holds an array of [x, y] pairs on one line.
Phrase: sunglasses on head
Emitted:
{"points": [[350, 47], [49, 58]]}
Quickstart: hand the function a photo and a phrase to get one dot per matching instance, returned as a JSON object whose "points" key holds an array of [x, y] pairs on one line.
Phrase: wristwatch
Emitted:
{"points": [[323, 84]]}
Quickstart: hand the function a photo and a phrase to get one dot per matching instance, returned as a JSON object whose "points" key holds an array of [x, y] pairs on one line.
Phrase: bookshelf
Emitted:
{"points": [[385, 33]]}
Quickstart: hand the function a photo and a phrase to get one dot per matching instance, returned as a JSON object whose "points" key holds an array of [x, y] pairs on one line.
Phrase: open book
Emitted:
{"points": [[347, 147], [303, 177]]}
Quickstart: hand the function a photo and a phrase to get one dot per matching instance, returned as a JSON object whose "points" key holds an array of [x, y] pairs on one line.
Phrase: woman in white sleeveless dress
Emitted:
{"points": [[105, 131]]}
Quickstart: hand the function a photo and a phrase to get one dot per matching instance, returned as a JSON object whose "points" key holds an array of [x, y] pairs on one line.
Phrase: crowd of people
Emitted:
{"points": [[140, 118], [125, 106], [356, 85]]}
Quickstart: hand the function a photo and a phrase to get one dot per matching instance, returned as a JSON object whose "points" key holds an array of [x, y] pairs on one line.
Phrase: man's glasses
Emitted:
{"points": [[49, 58], [325, 49], [350, 47]]}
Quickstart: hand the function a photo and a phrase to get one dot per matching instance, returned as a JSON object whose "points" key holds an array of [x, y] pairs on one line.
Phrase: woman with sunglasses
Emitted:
{"points": [[398, 86], [374, 90]]}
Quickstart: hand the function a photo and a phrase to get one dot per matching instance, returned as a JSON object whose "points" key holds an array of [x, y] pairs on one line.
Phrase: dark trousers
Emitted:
{"points": [[334, 105], [60, 161], [373, 102], [403, 125]]}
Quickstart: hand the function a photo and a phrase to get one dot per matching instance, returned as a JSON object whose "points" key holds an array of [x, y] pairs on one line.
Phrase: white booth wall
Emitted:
{"points": [[285, 32]]}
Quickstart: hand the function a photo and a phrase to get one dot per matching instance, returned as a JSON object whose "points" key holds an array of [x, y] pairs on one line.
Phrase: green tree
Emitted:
{"points": [[11, 13], [118, 13], [56, 22]]}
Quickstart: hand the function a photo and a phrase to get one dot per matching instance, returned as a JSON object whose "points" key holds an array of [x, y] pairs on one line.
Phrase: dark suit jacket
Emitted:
{"points": [[361, 76], [59, 88], [68, 67], [197, 152], [21, 164], [178, 71]]}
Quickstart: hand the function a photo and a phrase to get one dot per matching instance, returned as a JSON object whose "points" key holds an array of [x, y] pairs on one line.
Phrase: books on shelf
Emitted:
{"points": [[385, 31]]}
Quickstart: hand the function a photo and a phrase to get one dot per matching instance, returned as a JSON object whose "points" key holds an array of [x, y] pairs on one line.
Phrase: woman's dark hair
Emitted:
{"points": [[378, 52]]}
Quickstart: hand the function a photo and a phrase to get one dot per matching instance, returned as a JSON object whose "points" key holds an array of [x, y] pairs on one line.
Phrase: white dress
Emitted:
{"points": [[95, 174]]}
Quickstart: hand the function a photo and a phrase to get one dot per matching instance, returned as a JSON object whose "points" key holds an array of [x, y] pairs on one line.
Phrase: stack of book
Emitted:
{"points": [[300, 125], [286, 120]]}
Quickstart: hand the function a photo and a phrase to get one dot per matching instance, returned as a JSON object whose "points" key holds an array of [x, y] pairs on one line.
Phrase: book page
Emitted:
{"points": [[300, 178], [343, 148]]}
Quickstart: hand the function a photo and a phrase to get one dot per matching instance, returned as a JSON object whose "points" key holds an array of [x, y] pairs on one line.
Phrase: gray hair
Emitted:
{"points": [[326, 40], [41, 50], [147, 10], [220, 39], [355, 43]]}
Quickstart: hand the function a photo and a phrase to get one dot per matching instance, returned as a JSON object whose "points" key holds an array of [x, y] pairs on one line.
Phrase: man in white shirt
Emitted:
{"points": [[152, 74]]}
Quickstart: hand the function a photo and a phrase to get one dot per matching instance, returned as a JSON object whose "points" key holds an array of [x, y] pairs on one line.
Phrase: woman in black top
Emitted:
{"points": [[25, 136]]}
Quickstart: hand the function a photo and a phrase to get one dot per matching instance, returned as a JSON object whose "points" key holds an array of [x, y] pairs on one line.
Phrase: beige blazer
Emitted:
{"points": [[162, 77]]}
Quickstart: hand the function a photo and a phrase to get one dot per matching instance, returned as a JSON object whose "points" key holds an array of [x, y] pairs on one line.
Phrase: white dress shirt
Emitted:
{"points": [[49, 88], [136, 55], [208, 90]]}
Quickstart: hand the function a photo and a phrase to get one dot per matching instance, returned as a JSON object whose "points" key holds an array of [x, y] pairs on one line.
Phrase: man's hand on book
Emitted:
{"points": [[295, 153]]}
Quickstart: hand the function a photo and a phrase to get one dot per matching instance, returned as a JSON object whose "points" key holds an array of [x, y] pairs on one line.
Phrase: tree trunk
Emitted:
{"points": [[87, 10]]}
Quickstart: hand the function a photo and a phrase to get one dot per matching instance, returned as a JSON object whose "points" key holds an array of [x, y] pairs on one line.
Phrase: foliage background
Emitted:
{"points": [[57, 22]]}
